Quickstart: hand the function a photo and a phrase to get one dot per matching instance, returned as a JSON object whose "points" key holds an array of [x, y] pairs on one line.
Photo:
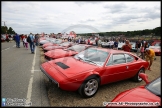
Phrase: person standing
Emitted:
{"points": [[138, 45], [111, 44], [17, 39], [25, 42], [36, 39], [150, 54], [127, 47], [88, 41], [32, 45], [7, 38], [116, 44], [142, 51], [146, 45], [99, 42], [22, 37]]}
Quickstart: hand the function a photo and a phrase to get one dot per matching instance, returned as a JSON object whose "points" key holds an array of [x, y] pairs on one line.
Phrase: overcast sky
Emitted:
{"points": [[81, 17]]}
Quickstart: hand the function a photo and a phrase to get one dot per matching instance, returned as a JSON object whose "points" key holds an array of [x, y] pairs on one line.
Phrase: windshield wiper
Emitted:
{"points": [[91, 61], [71, 49], [80, 58]]}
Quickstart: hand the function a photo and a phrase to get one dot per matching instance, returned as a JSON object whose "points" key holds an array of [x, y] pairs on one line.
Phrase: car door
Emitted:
{"points": [[115, 68], [132, 66]]}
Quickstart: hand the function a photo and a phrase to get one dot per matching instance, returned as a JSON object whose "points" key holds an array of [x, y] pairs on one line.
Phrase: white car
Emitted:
{"points": [[105, 44], [120, 44], [134, 49]]}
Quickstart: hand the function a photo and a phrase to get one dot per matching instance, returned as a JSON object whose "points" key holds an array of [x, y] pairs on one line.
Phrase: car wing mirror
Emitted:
{"points": [[144, 77]]}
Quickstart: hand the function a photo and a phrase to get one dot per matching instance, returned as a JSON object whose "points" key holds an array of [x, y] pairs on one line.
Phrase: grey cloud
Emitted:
{"points": [[153, 15], [88, 2], [86, 21], [90, 20], [116, 7]]}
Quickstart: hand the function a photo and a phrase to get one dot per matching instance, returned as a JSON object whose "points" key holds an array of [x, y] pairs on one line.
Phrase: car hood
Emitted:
{"points": [[47, 44], [69, 66], [139, 94], [53, 47], [43, 41], [58, 53]]}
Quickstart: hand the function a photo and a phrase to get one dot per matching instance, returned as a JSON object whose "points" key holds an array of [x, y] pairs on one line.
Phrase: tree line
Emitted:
{"points": [[156, 32], [5, 29]]}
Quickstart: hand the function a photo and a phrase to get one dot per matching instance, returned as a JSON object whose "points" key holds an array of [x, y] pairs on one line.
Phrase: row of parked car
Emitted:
{"points": [[84, 68], [3, 37]]}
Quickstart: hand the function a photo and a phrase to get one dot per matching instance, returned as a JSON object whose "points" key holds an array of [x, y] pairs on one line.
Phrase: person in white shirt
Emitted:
{"points": [[111, 44], [25, 42], [99, 42]]}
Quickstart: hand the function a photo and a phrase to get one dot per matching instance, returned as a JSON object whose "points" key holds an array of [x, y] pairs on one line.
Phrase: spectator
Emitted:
{"points": [[138, 45], [142, 51], [7, 38], [22, 37], [88, 41], [36, 39], [145, 45], [32, 45], [17, 39], [25, 42], [127, 47], [10, 38], [116, 44], [150, 54], [96, 41], [99, 42], [111, 44]]}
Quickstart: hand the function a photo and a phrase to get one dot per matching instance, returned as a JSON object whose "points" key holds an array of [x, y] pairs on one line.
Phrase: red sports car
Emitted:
{"points": [[93, 67], [147, 95], [156, 42], [55, 42], [48, 44], [58, 53], [59, 46]]}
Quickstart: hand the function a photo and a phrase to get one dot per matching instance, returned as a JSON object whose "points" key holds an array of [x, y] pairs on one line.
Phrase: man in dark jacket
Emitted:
{"points": [[17, 40]]}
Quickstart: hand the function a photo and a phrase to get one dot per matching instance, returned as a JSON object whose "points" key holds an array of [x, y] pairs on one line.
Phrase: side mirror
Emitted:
{"points": [[144, 77]]}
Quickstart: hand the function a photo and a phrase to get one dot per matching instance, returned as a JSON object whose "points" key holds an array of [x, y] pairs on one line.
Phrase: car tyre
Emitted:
{"points": [[89, 87], [136, 78]]}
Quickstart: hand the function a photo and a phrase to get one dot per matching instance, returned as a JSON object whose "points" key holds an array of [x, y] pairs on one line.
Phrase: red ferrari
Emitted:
{"points": [[146, 95], [48, 44], [54, 43], [93, 67], [58, 53], [59, 46]]}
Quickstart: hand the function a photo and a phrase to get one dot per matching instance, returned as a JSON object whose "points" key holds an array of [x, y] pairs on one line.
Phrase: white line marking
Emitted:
{"points": [[8, 48], [5, 49], [29, 92], [35, 70]]}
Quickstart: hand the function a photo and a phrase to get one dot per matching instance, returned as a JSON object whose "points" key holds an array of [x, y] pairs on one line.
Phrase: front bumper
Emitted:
{"points": [[47, 58], [49, 76]]}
